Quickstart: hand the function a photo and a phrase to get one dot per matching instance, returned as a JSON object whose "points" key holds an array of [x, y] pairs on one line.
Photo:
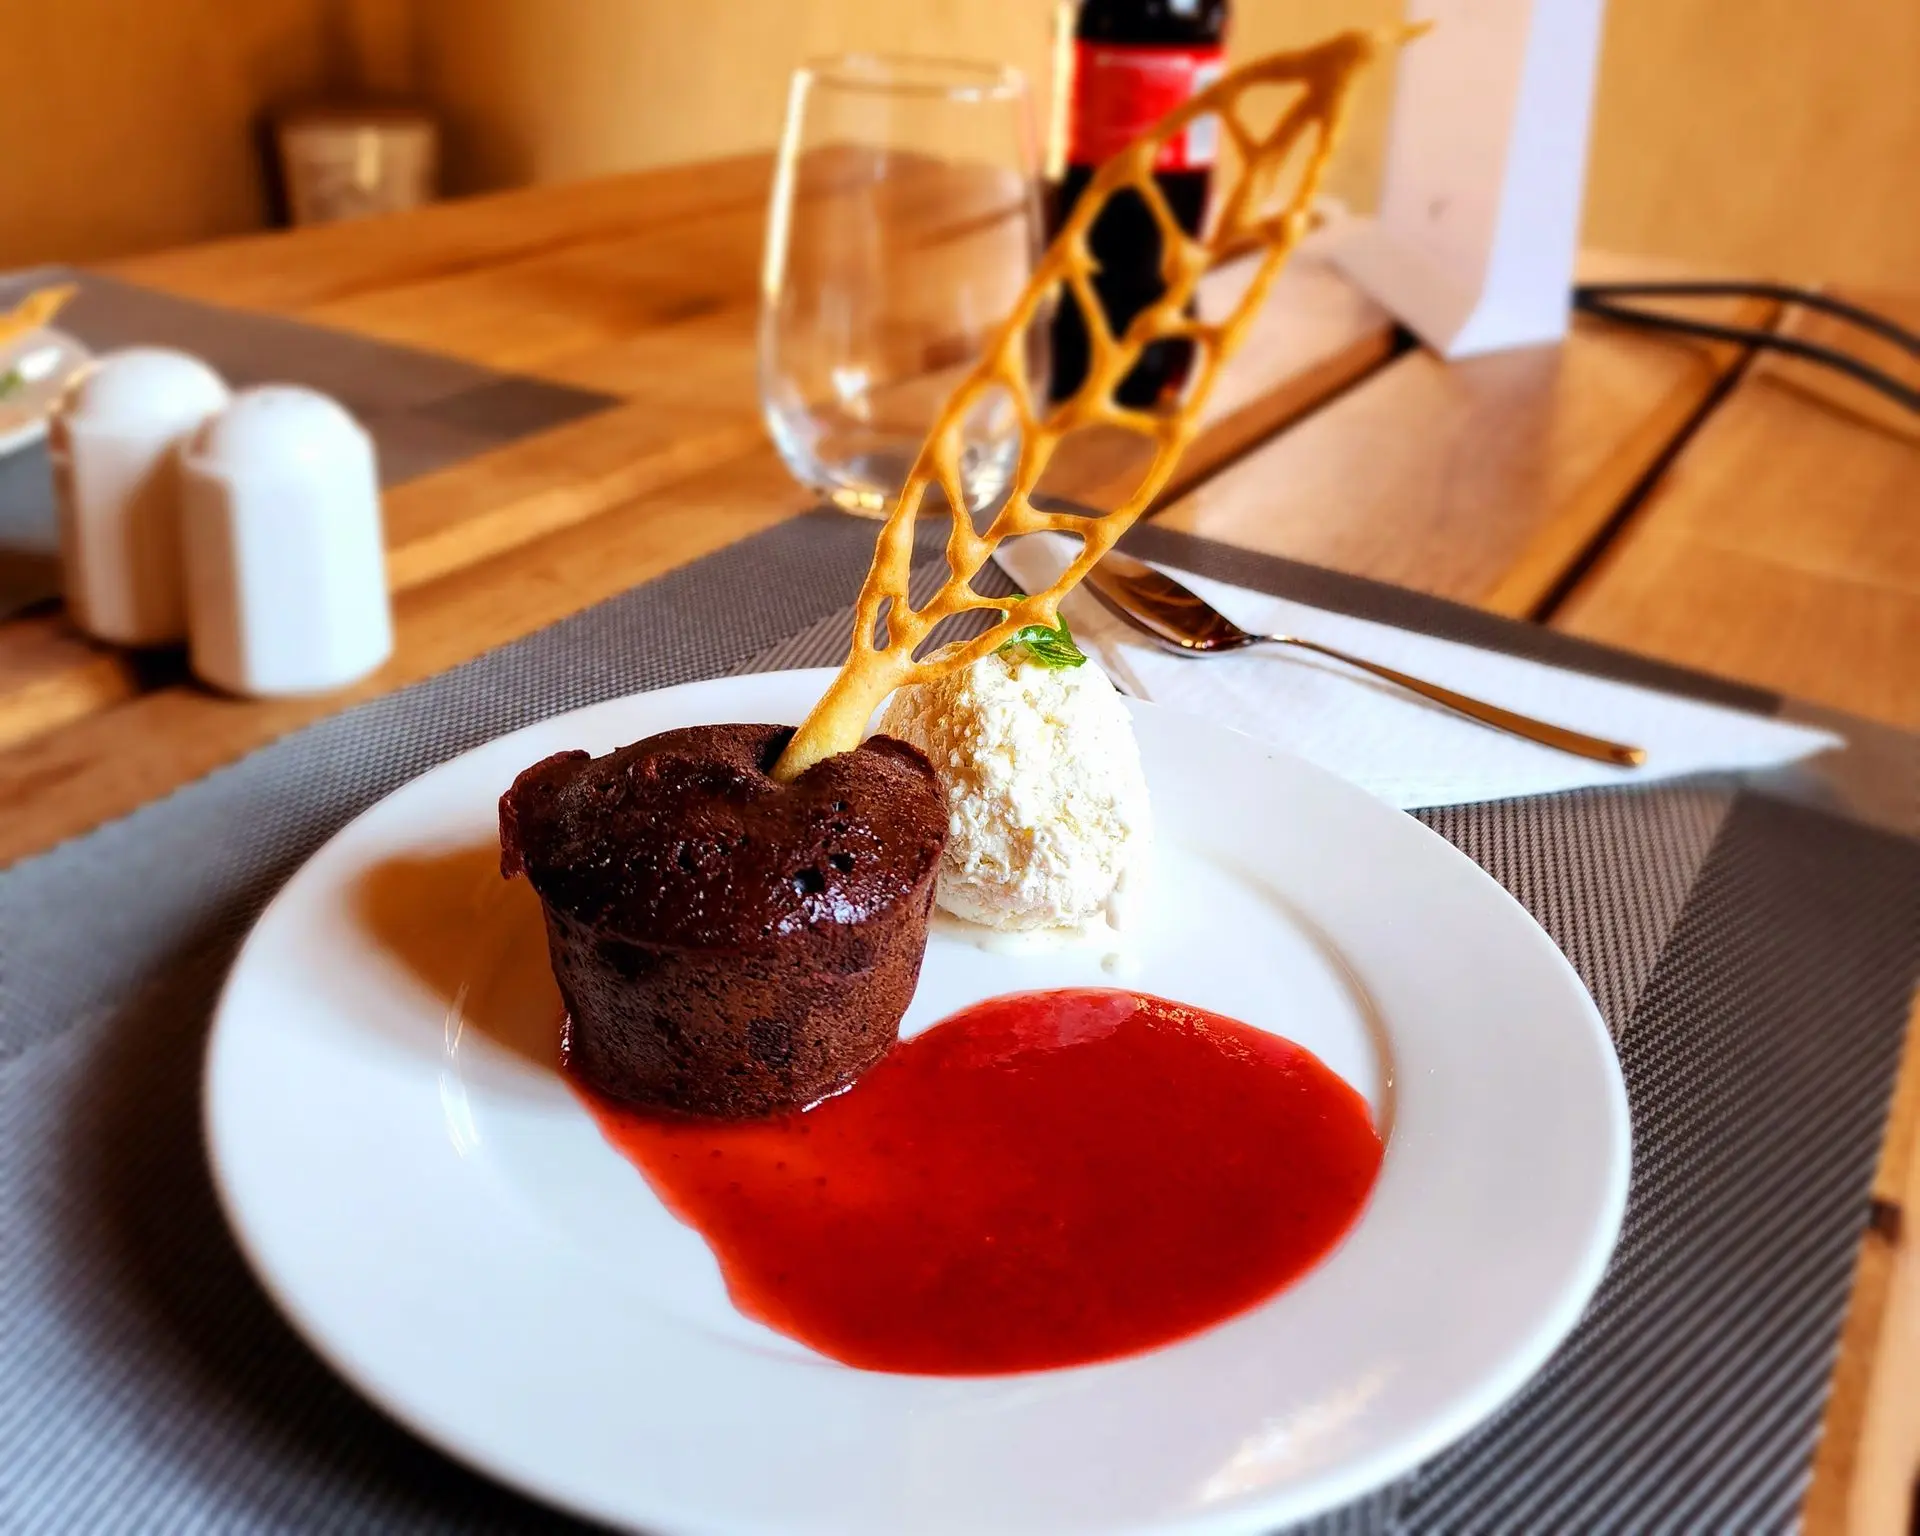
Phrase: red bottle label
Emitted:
{"points": [[1120, 91]]}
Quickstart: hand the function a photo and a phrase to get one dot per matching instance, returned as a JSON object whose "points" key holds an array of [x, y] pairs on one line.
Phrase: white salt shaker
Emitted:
{"points": [[280, 524], [113, 441]]}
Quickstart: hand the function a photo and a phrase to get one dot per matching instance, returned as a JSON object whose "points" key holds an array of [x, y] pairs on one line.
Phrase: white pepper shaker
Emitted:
{"points": [[280, 524], [113, 443]]}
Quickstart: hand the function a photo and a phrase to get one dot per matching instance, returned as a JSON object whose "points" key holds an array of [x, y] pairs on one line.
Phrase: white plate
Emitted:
{"points": [[440, 1218], [55, 358]]}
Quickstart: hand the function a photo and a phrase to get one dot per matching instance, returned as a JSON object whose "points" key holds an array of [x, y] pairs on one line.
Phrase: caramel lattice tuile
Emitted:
{"points": [[35, 310], [1323, 76]]}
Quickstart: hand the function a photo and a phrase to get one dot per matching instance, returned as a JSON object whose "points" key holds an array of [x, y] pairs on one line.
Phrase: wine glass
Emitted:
{"points": [[905, 221]]}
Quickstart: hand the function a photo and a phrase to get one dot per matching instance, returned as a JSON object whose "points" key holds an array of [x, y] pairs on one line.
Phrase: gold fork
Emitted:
{"points": [[1182, 621]]}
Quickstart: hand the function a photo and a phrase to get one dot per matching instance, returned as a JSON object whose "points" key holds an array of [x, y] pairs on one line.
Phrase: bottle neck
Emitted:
{"points": [[1164, 23]]}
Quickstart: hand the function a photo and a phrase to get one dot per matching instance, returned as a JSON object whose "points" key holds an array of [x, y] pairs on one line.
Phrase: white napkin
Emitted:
{"points": [[1400, 747]]}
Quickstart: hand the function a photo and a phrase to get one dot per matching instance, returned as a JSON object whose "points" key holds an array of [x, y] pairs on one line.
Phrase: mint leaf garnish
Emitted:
{"points": [[1049, 647]]}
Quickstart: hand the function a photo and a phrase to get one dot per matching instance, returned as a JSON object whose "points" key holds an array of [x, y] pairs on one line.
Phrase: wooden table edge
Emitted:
{"points": [[1848, 1491]]}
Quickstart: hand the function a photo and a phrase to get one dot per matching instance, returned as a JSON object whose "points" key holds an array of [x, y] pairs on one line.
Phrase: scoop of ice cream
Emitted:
{"points": [[1046, 803]]}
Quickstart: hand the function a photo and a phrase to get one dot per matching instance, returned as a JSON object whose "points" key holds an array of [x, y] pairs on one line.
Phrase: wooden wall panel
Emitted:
{"points": [[537, 93], [1775, 136], [1763, 136], [1771, 136], [128, 124]]}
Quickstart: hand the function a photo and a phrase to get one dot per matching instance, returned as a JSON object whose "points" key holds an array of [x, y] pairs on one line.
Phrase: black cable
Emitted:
{"points": [[1597, 299], [1866, 319]]}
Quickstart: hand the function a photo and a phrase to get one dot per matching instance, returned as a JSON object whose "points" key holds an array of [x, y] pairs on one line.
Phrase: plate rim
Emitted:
{"points": [[34, 428]]}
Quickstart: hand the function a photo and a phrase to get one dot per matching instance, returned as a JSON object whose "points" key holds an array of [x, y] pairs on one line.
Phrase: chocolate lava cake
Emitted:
{"points": [[725, 944]]}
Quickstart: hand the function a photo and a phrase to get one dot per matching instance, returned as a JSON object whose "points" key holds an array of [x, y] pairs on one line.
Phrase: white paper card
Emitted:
{"points": [[1479, 222]]}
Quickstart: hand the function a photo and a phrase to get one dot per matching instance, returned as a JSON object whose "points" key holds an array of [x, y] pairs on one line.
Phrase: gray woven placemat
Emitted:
{"points": [[424, 410], [1753, 955]]}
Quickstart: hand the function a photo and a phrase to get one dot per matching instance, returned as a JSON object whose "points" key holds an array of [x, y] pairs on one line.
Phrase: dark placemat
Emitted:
{"points": [[1752, 949], [425, 411]]}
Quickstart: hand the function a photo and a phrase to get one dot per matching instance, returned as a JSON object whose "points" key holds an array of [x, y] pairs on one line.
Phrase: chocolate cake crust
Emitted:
{"points": [[725, 944]]}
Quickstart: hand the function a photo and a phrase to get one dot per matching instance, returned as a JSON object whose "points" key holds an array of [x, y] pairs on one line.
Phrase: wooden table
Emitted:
{"points": [[1746, 517]]}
